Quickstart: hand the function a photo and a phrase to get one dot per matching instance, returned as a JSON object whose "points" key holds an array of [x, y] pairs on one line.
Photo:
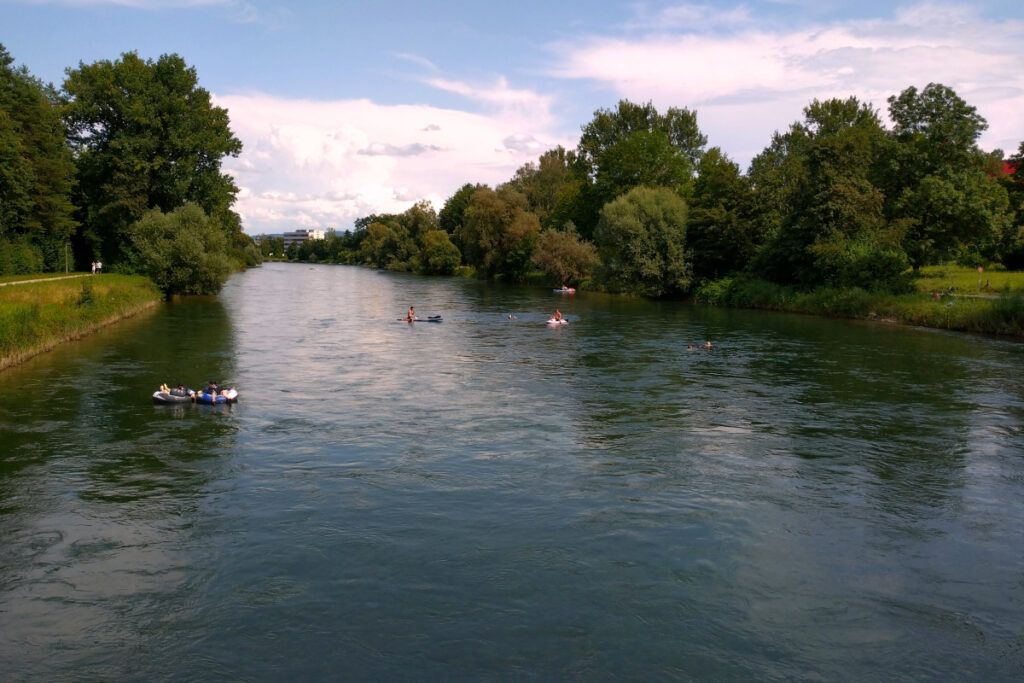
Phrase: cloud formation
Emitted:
{"points": [[323, 164], [746, 79]]}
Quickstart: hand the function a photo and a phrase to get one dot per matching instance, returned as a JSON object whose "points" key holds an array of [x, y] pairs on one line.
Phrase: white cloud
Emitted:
{"points": [[500, 97], [324, 164], [753, 80]]}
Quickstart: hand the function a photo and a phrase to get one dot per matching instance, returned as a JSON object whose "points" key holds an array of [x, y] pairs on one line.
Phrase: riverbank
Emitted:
{"points": [[1001, 314], [37, 316]]}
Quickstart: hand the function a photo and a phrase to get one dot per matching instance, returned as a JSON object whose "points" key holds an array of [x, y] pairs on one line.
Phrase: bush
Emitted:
{"points": [[19, 257], [564, 257], [641, 238], [438, 256], [86, 296], [183, 252], [1007, 313]]}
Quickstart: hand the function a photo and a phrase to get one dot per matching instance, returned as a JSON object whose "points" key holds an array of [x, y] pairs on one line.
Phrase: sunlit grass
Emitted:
{"points": [[37, 316], [1002, 313], [966, 280]]}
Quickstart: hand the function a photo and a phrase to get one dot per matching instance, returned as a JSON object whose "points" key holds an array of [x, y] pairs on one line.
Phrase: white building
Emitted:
{"points": [[301, 235]]}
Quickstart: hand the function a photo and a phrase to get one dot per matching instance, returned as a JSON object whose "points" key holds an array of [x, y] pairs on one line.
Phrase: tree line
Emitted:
{"points": [[121, 165], [643, 206]]}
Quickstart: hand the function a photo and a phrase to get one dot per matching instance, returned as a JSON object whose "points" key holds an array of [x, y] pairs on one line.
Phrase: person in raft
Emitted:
{"points": [[557, 315], [214, 390], [412, 314], [180, 390]]}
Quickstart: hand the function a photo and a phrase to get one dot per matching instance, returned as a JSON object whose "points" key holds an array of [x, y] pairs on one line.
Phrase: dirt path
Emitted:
{"points": [[45, 279]]}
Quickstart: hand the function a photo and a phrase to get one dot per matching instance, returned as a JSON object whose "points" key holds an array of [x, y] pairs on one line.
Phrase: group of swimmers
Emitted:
{"points": [[411, 316]]}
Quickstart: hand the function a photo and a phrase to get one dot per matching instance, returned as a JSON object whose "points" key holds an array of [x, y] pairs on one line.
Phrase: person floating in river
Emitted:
{"points": [[557, 315], [215, 390]]}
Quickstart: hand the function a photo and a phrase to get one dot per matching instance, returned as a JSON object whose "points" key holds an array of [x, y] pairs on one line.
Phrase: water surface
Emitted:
{"points": [[490, 499]]}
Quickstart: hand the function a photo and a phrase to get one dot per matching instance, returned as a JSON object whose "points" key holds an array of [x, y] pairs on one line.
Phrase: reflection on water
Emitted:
{"points": [[494, 498]]}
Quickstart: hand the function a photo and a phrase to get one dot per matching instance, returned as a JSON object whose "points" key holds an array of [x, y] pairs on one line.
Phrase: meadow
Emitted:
{"points": [[35, 317]]}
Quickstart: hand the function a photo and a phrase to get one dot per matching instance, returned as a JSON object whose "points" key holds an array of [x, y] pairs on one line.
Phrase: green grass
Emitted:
{"points": [[1001, 314], [38, 316], [965, 280]]}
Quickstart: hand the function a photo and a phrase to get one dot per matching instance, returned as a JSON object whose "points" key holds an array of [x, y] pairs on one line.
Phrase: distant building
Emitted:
{"points": [[301, 235]]}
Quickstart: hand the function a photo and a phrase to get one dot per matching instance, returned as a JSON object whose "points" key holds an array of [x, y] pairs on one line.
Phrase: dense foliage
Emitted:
{"points": [[836, 202], [81, 168], [36, 175]]}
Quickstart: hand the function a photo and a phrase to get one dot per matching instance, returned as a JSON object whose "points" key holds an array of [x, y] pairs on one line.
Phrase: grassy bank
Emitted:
{"points": [[36, 317], [961, 280], [999, 314]]}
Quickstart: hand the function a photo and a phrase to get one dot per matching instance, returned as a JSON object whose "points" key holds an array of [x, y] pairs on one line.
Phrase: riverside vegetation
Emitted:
{"points": [[838, 215], [122, 166], [36, 316]]}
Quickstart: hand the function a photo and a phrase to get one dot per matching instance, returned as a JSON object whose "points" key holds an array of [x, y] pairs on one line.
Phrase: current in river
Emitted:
{"points": [[493, 498]]}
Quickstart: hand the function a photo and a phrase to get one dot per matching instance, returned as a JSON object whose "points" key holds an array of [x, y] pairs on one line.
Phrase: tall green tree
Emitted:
{"points": [[720, 234], [145, 136], [545, 182], [36, 171], [936, 158], [641, 240], [1012, 246], [450, 217], [630, 146], [830, 214]]}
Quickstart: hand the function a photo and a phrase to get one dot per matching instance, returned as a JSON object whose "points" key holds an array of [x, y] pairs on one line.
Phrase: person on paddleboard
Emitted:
{"points": [[412, 314]]}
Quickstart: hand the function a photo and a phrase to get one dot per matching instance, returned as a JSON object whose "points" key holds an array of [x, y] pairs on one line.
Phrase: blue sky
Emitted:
{"points": [[348, 107]]}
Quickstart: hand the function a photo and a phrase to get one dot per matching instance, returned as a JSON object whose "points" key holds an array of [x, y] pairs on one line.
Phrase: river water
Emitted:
{"points": [[496, 499]]}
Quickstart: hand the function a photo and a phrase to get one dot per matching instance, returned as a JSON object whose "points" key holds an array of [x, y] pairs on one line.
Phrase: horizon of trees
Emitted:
{"points": [[642, 206], [89, 171]]}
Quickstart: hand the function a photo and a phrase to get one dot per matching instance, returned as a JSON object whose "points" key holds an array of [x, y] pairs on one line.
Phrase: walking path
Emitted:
{"points": [[44, 279]]}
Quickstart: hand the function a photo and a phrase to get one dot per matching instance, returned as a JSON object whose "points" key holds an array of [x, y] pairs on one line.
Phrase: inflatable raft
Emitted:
{"points": [[563, 321], [173, 397], [210, 399], [566, 290]]}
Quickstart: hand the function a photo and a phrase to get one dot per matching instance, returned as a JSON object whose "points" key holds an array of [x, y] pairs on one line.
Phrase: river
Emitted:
{"points": [[495, 499]]}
